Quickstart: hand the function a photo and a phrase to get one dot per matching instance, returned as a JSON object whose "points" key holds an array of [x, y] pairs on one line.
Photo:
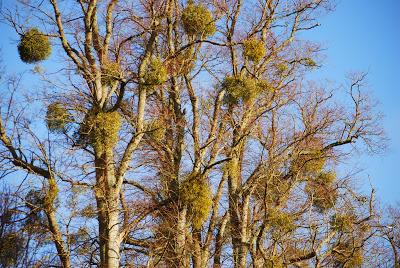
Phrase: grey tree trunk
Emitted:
{"points": [[107, 196], [113, 241], [182, 256]]}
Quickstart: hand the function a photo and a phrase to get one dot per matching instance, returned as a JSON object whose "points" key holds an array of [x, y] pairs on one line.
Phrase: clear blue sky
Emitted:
{"points": [[359, 35], [364, 35]]}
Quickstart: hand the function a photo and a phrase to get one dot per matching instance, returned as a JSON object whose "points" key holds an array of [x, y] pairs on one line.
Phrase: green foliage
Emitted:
{"points": [[272, 190], [81, 240], [111, 72], [343, 222], [312, 161], [196, 193], [34, 199], [324, 198], [34, 46], [274, 262], [11, 247], [57, 117], [51, 194], [100, 130], [322, 190], [79, 236], [281, 68], [264, 86], [232, 168], [156, 73], [326, 178], [294, 251], [309, 62], [253, 49], [35, 220], [309, 158], [281, 222], [84, 132], [156, 130], [348, 255], [198, 20], [243, 89], [105, 131]]}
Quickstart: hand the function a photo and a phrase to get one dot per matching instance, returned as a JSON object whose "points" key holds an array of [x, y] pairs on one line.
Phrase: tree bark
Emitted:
{"points": [[234, 212], [107, 197], [183, 259], [57, 238]]}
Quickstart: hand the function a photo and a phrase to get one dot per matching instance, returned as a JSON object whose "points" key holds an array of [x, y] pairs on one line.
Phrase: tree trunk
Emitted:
{"points": [[109, 233], [238, 209], [180, 249], [113, 242], [196, 255], [235, 210], [107, 197], [57, 238], [244, 232], [200, 253]]}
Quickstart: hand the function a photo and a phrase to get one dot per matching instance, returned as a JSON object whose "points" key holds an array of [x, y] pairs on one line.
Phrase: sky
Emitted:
{"points": [[364, 35], [360, 35]]}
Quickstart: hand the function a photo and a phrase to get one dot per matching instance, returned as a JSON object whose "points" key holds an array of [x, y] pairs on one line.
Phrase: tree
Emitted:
{"points": [[186, 134], [23, 230], [387, 233]]}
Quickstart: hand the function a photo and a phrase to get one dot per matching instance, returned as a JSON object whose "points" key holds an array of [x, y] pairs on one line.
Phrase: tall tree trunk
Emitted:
{"points": [[176, 255], [196, 255], [238, 205], [244, 232], [113, 242], [49, 210], [107, 197], [235, 210], [102, 219], [109, 232], [181, 239]]}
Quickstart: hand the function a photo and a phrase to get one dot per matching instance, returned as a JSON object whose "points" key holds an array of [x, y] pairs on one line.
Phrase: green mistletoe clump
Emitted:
{"points": [[253, 49], [57, 117], [34, 46], [111, 72], [348, 254], [243, 89], [198, 20], [322, 190], [156, 73], [100, 130], [196, 193], [156, 130]]}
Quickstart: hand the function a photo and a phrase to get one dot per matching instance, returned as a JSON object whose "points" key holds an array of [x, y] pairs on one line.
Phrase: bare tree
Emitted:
{"points": [[184, 133]]}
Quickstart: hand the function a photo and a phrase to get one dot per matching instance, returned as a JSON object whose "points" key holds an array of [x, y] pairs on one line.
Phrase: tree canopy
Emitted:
{"points": [[183, 134]]}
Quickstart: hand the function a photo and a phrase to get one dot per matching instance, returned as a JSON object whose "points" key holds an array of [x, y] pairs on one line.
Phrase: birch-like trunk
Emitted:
{"points": [[107, 196], [183, 258], [238, 211], [234, 210]]}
